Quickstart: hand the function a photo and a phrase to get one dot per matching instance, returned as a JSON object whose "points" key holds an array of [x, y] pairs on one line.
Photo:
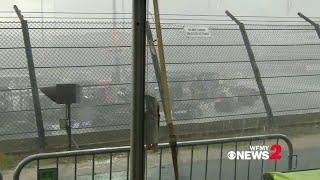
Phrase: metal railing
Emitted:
{"points": [[191, 146]]}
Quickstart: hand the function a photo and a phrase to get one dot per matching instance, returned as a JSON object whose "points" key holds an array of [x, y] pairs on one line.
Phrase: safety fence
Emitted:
{"points": [[206, 159], [240, 67]]}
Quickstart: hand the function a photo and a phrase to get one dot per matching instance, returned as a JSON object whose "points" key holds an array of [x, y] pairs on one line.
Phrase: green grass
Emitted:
{"points": [[8, 161]]}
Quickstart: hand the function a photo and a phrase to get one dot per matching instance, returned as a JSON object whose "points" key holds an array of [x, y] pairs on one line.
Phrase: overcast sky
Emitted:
{"points": [[239, 7]]}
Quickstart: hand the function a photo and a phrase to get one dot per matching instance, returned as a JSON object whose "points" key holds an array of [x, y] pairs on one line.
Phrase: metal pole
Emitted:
{"points": [[255, 68], [315, 25], [116, 77], [68, 113], [33, 80], [137, 153], [155, 61]]}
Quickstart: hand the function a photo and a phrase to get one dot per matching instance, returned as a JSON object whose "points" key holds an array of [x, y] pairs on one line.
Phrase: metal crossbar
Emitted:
{"points": [[191, 145]]}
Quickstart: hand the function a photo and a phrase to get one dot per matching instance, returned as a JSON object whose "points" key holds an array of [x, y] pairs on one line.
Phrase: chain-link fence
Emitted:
{"points": [[211, 79]]}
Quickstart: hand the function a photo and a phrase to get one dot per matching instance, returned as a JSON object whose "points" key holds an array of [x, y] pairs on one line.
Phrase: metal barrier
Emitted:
{"points": [[160, 174]]}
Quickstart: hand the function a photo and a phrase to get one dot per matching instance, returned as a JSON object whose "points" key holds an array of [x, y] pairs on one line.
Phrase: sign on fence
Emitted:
{"points": [[197, 32], [48, 174]]}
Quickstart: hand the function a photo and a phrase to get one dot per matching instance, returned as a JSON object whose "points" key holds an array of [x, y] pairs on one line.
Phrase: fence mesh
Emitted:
{"points": [[210, 78]]}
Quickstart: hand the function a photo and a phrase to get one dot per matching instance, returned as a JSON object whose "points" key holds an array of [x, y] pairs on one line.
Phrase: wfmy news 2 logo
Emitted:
{"points": [[272, 152]]}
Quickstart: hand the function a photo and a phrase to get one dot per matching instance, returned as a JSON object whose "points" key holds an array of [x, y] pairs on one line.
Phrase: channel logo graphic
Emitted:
{"points": [[272, 152]]}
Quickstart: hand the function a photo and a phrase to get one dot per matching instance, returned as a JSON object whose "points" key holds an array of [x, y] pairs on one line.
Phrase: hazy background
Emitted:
{"points": [[243, 7]]}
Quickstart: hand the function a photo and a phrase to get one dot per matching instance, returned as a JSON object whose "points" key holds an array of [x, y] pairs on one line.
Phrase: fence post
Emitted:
{"points": [[316, 26], [255, 68], [33, 80], [155, 61]]}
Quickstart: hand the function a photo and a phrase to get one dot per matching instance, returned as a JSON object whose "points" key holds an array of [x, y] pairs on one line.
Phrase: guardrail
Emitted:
{"points": [[190, 145]]}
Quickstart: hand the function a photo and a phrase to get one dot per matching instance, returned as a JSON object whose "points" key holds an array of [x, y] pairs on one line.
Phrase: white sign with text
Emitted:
{"points": [[197, 32]]}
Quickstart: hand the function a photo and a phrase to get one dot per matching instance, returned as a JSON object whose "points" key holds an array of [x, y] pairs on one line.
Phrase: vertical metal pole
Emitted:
{"points": [[116, 42], [33, 80], [155, 61], [69, 124], [114, 7], [235, 162], [206, 168], [220, 161], [93, 166], [128, 164], [110, 169], [160, 164], [191, 162], [315, 25], [38, 168], [75, 167], [137, 152], [255, 68]]}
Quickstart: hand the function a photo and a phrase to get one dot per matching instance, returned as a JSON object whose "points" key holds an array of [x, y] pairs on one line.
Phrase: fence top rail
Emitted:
{"points": [[39, 13], [235, 139], [42, 156]]}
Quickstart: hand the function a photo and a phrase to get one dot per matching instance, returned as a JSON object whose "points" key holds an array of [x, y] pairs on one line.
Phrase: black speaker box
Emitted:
{"points": [[68, 93]]}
